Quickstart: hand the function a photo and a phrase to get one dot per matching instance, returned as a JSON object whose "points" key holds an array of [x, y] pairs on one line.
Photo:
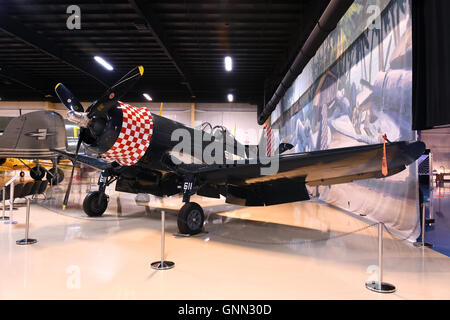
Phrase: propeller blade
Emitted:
{"points": [[118, 90], [67, 98], [66, 196]]}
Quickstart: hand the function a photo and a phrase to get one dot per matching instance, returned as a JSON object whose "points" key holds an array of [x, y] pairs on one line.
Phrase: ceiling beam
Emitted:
{"points": [[158, 33], [38, 41], [42, 86]]}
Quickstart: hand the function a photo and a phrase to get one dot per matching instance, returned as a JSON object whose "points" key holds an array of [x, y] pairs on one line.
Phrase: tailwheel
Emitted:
{"points": [[95, 204], [22, 174], [37, 173], [191, 218]]}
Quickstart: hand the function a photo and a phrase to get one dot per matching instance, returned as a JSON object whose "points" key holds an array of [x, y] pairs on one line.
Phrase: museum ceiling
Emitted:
{"points": [[181, 44]]}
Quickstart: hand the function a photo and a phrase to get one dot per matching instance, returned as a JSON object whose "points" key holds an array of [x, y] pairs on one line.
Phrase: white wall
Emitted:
{"points": [[236, 117]]}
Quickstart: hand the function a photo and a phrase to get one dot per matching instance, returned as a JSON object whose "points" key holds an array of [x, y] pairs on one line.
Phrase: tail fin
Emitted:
{"points": [[32, 135]]}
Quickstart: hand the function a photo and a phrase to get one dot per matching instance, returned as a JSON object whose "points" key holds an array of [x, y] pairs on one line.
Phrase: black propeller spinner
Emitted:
{"points": [[94, 120]]}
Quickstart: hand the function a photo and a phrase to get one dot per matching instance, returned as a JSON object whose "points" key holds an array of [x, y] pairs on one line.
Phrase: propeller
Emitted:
{"points": [[94, 119], [68, 99], [114, 93]]}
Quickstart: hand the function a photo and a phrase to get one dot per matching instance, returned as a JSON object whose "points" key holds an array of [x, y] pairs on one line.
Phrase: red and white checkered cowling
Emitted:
{"points": [[134, 137]]}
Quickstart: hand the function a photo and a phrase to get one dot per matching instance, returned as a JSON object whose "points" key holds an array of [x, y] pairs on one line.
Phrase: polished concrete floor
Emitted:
{"points": [[438, 233], [305, 250]]}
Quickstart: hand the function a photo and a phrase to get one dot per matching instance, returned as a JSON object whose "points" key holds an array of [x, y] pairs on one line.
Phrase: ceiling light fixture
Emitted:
{"points": [[228, 63], [105, 64], [230, 97], [147, 96]]}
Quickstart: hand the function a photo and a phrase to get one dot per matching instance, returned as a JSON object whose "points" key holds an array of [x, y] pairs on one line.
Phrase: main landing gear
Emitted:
{"points": [[54, 175], [95, 203], [190, 217], [37, 172]]}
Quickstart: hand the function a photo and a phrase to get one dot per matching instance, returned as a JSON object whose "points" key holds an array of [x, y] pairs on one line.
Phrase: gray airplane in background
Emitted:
{"points": [[31, 136]]}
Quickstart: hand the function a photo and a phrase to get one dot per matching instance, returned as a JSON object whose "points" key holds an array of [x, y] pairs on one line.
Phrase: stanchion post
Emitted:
{"points": [[27, 228], [11, 199], [3, 217], [162, 264], [11, 205], [380, 286], [423, 243]]}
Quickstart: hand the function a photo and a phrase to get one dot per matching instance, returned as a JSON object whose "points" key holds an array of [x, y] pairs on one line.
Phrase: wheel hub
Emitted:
{"points": [[194, 219]]}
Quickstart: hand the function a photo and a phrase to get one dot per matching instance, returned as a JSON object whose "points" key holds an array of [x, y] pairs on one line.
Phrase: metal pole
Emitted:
{"points": [[27, 227], [4, 204], [11, 199], [27, 220], [431, 207], [423, 243], [162, 264], [431, 187], [423, 224], [163, 234], [380, 286], [11, 204], [380, 254], [430, 172]]}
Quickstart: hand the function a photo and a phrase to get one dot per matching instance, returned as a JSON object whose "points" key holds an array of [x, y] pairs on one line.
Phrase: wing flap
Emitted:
{"points": [[271, 193]]}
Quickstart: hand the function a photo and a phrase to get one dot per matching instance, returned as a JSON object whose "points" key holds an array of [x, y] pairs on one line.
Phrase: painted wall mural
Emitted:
{"points": [[352, 93]]}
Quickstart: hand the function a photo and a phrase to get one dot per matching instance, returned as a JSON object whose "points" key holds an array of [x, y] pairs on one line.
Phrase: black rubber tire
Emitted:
{"points": [[37, 173], [90, 204], [54, 180], [190, 218]]}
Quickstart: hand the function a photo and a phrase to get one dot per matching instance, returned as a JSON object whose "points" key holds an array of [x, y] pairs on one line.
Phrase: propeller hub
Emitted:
{"points": [[80, 118]]}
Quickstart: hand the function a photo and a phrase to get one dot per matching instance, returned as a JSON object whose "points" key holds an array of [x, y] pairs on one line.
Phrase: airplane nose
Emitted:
{"points": [[79, 118], [134, 137]]}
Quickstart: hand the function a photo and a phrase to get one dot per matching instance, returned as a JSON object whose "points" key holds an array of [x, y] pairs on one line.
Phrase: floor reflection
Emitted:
{"points": [[278, 225], [297, 250]]}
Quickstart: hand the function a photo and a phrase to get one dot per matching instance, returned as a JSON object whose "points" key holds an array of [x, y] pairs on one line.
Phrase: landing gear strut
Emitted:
{"points": [[191, 217], [95, 203]]}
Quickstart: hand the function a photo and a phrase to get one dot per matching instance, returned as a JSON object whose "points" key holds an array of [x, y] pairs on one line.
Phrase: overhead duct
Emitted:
{"points": [[327, 22]]}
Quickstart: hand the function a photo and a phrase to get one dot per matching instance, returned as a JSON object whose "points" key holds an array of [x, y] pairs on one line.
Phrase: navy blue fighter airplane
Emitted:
{"points": [[135, 151]]}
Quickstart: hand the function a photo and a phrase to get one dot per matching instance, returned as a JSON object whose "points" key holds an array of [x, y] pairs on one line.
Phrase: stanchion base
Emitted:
{"points": [[10, 222], [26, 241], [4, 218], [384, 288], [165, 265], [426, 244]]}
